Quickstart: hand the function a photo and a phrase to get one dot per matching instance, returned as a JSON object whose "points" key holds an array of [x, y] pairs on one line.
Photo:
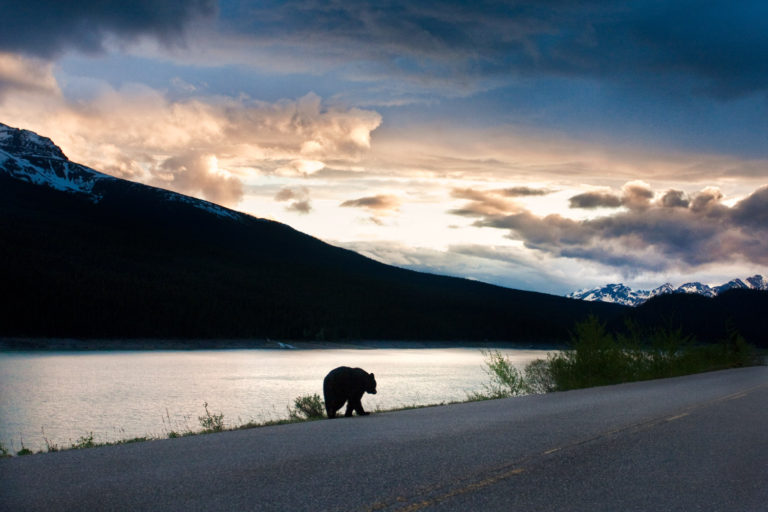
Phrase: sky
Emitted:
{"points": [[539, 145]]}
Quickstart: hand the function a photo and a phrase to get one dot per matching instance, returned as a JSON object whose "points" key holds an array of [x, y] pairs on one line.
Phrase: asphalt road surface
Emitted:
{"points": [[690, 443]]}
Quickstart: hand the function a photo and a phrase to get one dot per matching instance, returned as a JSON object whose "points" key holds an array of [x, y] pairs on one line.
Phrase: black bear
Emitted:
{"points": [[345, 384]]}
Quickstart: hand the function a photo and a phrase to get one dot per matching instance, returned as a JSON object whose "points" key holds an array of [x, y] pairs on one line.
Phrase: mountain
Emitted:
{"points": [[621, 294], [87, 255]]}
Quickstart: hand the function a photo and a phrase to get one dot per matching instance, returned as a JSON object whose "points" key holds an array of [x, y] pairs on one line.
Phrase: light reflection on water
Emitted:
{"points": [[119, 395]]}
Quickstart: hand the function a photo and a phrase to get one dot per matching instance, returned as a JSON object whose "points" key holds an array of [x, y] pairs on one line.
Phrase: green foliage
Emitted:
{"points": [[24, 451], [538, 378], [84, 442], [211, 422], [599, 358], [505, 379], [4, 451], [307, 407]]}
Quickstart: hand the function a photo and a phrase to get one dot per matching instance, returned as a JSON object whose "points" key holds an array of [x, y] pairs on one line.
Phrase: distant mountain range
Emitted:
{"points": [[621, 294], [88, 255]]}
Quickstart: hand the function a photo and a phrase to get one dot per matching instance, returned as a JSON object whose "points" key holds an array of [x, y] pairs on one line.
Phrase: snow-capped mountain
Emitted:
{"points": [[622, 294], [29, 157]]}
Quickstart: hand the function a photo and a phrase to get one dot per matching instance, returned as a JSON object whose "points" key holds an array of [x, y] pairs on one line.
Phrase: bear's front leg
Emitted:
{"points": [[351, 407]]}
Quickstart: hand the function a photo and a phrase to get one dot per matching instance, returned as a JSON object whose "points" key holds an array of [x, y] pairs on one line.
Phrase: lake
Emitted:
{"points": [[116, 395]]}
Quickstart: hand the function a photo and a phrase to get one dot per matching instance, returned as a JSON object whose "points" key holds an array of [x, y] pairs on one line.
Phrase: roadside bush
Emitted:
{"points": [[505, 379], [307, 407], [538, 377], [599, 358]]}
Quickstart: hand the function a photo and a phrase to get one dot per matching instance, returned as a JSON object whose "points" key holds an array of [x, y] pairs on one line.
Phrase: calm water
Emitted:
{"points": [[119, 395]]}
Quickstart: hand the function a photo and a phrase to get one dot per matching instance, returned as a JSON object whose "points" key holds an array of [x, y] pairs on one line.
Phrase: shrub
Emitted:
{"points": [[598, 358], [538, 377], [307, 407], [505, 379], [211, 422]]}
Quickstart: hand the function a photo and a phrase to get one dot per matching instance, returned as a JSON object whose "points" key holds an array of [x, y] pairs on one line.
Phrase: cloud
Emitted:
{"points": [[635, 195], [298, 197], [524, 191], [19, 74], [484, 202], [198, 175], [513, 267], [677, 48], [139, 133], [674, 199], [708, 198], [48, 28], [595, 199], [378, 203], [671, 233]]}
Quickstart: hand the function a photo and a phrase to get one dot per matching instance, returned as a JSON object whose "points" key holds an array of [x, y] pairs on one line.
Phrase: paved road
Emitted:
{"points": [[691, 443]]}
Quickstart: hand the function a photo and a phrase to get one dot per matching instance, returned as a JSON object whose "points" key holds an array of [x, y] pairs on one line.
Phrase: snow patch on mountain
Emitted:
{"points": [[622, 294], [29, 157]]}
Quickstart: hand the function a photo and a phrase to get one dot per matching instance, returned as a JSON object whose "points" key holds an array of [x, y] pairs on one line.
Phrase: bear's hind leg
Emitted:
{"points": [[331, 407]]}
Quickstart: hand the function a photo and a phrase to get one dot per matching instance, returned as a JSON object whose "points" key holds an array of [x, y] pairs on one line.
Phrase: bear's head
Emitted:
{"points": [[371, 386]]}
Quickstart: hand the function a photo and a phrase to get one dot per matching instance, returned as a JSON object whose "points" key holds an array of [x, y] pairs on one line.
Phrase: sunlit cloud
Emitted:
{"points": [[138, 133]]}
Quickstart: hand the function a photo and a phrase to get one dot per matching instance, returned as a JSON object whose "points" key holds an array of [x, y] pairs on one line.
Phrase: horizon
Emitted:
{"points": [[550, 150]]}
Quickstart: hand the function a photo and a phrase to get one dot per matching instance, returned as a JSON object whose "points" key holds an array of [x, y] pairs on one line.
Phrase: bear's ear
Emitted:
{"points": [[372, 376]]}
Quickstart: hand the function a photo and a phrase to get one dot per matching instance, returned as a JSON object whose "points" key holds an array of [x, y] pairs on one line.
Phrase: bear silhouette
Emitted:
{"points": [[345, 384]]}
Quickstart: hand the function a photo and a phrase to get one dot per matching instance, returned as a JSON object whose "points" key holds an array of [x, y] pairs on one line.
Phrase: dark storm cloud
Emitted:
{"points": [[672, 232], [46, 28], [718, 48]]}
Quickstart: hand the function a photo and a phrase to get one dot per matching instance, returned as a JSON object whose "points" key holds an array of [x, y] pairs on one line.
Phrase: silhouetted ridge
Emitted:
{"points": [[89, 255]]}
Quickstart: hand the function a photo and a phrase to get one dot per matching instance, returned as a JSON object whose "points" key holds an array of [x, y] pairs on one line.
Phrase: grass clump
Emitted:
{"points": [[211, 422], [85, 441], [307, 407]]}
